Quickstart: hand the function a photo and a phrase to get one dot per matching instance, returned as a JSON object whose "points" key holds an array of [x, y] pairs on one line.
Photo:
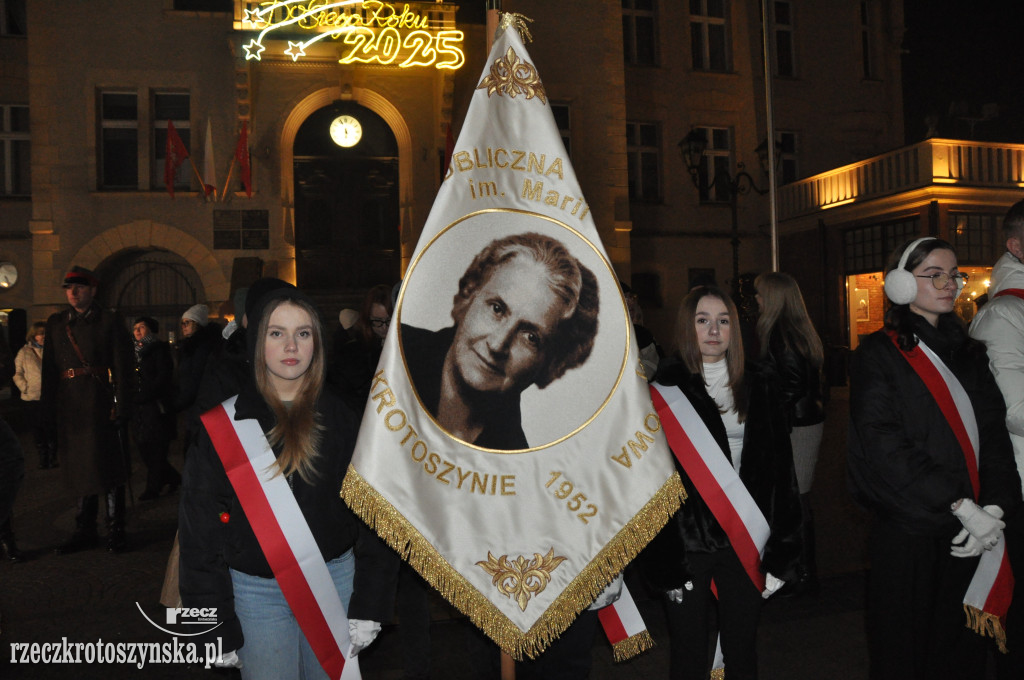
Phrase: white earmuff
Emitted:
{"points": [[900, 284]]}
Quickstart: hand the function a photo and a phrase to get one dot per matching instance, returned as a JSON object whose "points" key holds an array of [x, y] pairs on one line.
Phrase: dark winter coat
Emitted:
{"points": [[351, 365], [904, 462], [799, 383], [193, 354], [153, 393], [82, 406], [766, 470]]}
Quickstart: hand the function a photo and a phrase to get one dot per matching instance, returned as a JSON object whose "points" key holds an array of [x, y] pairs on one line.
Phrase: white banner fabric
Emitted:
{"points": [[509, 450]]}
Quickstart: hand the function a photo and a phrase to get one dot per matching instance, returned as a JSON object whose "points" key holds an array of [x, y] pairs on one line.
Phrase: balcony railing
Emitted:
{"points": [[931, 162]]}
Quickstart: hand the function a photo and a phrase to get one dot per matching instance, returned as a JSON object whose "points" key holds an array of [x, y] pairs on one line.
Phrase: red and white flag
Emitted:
{"points": [[175, 155]]}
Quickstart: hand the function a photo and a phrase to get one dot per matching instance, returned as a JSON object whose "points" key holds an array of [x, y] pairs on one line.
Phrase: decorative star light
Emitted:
{"points": [[254, 18], [295, 50], [253, 50]]}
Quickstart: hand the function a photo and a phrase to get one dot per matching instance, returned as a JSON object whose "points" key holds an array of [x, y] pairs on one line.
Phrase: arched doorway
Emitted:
{"points": [[347, 218], [155, 283]]}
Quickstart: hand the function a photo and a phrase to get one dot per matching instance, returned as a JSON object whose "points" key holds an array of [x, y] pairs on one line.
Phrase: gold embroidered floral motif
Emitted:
{"points": [[512, 76], [520, 578]]}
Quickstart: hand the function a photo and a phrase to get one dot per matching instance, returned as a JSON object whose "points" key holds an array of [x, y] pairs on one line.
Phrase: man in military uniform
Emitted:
{"points": [[86, 360]]}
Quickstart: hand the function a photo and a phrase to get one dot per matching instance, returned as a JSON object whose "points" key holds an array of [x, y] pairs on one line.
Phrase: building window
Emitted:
{"points": [[14, 147], [12, 17], [715, 165], [709, 40], [865, 41], [866, 249], [563, 122], [782, 32], [174, 107], [638, 32], [119, 140], [977, 238], [643, 151], [203, 6], [787, 149]]}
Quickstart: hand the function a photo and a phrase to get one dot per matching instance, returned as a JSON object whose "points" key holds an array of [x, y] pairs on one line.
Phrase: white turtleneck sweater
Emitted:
{"points": [[716, 376]]}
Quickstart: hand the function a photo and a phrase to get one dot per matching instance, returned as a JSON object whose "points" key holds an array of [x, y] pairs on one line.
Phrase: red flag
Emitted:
{"points": [[242, 156], [175, 155], [449, 148]]}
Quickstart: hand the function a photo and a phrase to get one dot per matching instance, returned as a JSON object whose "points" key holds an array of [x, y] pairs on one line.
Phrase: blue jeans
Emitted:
{"points": [[274, 647]]}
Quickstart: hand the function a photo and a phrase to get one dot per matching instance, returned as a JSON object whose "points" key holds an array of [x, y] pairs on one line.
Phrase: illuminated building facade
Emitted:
{"points": [[347, 108]]}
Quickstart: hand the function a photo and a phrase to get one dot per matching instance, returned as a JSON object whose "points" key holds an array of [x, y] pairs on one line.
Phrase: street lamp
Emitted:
{"points": [[693, 148]]}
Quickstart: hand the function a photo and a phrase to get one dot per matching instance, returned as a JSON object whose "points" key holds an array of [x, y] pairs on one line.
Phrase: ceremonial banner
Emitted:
{"points": [[509, 450]]}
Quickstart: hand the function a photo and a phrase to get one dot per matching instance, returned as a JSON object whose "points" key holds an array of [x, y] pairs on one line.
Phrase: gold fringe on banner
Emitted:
{"points": [[404, 538], [986, 625], [631, 646], [718, 674]]}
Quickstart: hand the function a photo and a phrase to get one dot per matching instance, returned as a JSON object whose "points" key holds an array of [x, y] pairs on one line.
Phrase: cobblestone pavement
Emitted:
{"points": [[93, 595]]}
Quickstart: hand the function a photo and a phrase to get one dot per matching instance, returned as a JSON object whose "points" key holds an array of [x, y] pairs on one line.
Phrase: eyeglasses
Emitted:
{"points": [[380, 323], [941, 280]]}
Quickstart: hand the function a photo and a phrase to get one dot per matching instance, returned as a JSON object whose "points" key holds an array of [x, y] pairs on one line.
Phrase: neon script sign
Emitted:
{"points": [[372, 32]]}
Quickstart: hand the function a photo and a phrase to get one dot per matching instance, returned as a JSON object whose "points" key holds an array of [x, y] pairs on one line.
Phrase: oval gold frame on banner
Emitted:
{"points": [[607, 268]]}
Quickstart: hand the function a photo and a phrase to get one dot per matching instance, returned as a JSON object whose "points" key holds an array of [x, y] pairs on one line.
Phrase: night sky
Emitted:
{"points": [[958, 56]]}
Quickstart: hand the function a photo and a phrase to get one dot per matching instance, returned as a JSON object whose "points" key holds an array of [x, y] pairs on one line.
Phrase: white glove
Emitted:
{"points": [[979, 522], [971, 548], [228, 660], [771, 584], [609, 595], [676, 594], [360, 634]]}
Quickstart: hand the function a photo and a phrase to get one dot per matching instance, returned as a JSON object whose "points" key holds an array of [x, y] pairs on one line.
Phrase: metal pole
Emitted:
{"points": [[493, 15], [770, 124]]}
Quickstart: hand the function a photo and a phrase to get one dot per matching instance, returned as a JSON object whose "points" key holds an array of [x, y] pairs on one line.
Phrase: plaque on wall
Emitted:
{"points": [[241, 229]]}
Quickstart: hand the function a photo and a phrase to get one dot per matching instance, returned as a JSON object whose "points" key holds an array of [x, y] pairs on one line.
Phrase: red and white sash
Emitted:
{"points": [[284, 536], [989, 594], [718, 484], [716, 480], [624, 627]]}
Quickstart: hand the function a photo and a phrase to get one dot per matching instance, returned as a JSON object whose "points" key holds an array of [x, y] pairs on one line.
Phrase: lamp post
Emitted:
{"points": [[693, 148]]}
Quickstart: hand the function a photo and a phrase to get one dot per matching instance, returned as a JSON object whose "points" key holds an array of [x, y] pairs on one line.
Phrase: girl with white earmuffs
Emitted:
{"points": [[930, 457]]}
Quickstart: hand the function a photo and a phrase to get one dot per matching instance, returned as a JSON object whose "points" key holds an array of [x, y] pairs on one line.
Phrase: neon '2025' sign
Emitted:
{"points": [[376, 32]]}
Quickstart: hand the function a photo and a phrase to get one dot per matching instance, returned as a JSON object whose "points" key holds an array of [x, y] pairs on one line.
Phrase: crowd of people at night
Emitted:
{"points": [[935, 452]]}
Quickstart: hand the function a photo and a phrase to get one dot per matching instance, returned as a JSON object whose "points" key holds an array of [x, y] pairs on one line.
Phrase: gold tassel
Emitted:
{"points": [[718, 674], [403, 537], [516, 21], [631, 646], [987, 625]]}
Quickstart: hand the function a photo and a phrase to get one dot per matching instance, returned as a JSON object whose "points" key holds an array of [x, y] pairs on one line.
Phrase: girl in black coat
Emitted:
{"points": [[908, 468], [742, 412], [791, 350], [312, 434]]}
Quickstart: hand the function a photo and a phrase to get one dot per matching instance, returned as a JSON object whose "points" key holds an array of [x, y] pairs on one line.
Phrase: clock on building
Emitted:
{"points": [[8, 274], [346, 131]]}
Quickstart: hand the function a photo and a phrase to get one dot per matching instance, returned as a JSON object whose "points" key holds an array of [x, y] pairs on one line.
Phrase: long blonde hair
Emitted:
{"points": [[689, 347], [783, 311], [297, 429]]}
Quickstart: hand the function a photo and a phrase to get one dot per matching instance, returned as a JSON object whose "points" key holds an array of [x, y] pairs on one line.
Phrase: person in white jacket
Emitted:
{"points": [[1000, 325], [29, 379]]}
